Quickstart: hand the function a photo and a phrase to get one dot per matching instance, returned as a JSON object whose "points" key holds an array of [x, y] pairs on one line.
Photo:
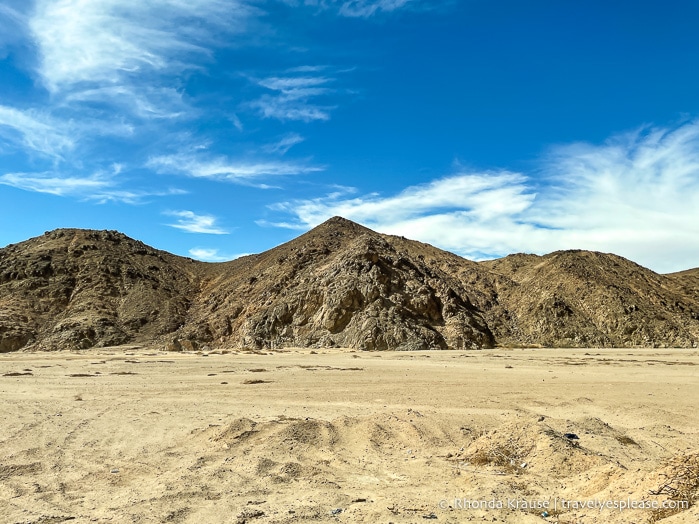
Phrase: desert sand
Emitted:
{"points": [[132, 434]]}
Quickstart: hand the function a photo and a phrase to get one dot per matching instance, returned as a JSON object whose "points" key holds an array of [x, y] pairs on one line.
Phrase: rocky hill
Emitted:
{"points": [[339, 285], [342, 285], [583, 298], [73, 288]]}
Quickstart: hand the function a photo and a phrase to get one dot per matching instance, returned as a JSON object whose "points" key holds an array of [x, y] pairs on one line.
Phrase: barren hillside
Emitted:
{"points": [[74, 288], [339, 285], [584, 298]]}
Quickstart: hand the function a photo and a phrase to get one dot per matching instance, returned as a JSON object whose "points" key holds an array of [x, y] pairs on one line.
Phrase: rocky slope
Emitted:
{"points": [[583, 298], [76, 289], [339, 285]]}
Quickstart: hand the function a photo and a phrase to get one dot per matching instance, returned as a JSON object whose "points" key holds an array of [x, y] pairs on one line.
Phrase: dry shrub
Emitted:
{"points": [[509, 456], [681, 484], [626, 440]]}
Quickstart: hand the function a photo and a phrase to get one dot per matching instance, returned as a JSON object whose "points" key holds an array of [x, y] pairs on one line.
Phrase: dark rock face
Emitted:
{"points": [[339, 285]]}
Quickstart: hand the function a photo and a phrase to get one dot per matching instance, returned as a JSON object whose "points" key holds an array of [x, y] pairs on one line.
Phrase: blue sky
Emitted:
{"points": [[214, 128]]}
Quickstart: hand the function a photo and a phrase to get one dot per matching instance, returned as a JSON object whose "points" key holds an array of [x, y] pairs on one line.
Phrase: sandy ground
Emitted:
{"points": [[139, 435]]}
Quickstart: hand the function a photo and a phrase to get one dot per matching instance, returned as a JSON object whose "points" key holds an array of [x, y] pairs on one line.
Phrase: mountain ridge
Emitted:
{"points": [[337, 285]]}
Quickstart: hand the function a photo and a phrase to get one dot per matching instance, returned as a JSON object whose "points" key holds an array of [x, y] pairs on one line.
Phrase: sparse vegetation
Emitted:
{"points": [[681, 483], [508, 456], [627, 441]]}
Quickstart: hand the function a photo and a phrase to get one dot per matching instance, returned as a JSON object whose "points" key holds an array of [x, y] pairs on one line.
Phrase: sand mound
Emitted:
{"points": [[534, 458], [534, 447]]}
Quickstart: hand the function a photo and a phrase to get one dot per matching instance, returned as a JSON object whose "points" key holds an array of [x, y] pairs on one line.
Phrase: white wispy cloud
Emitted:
{"points": [[131, 196], [237, 123], [222, 168], [40, 134], [636, 195], [367, 8], [111, 64], [354, 8], [212, 255], [12, 24], [54, 184], [307, 69], [207, 254], [36, 131], [474, 214], [109, 41], [293, 98], [120, 59], [145, 101], [486, 195], [101, 186], [193, 223], [296, 87], [283, 145]]}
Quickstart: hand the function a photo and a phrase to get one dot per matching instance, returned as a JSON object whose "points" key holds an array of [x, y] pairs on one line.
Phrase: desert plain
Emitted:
{"points": [[135, 434]]}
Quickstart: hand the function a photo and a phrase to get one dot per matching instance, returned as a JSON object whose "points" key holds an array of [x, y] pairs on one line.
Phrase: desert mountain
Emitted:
{"points": [[343, 285], [584, 298], [339, 285], [73, 288]]}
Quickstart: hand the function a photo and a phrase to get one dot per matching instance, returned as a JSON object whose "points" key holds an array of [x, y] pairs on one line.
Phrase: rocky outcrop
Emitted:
{"points": [[339, 285]]}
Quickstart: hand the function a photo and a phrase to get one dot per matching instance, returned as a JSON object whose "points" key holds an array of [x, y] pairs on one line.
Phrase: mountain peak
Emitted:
{"points": [[342, 225]]}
